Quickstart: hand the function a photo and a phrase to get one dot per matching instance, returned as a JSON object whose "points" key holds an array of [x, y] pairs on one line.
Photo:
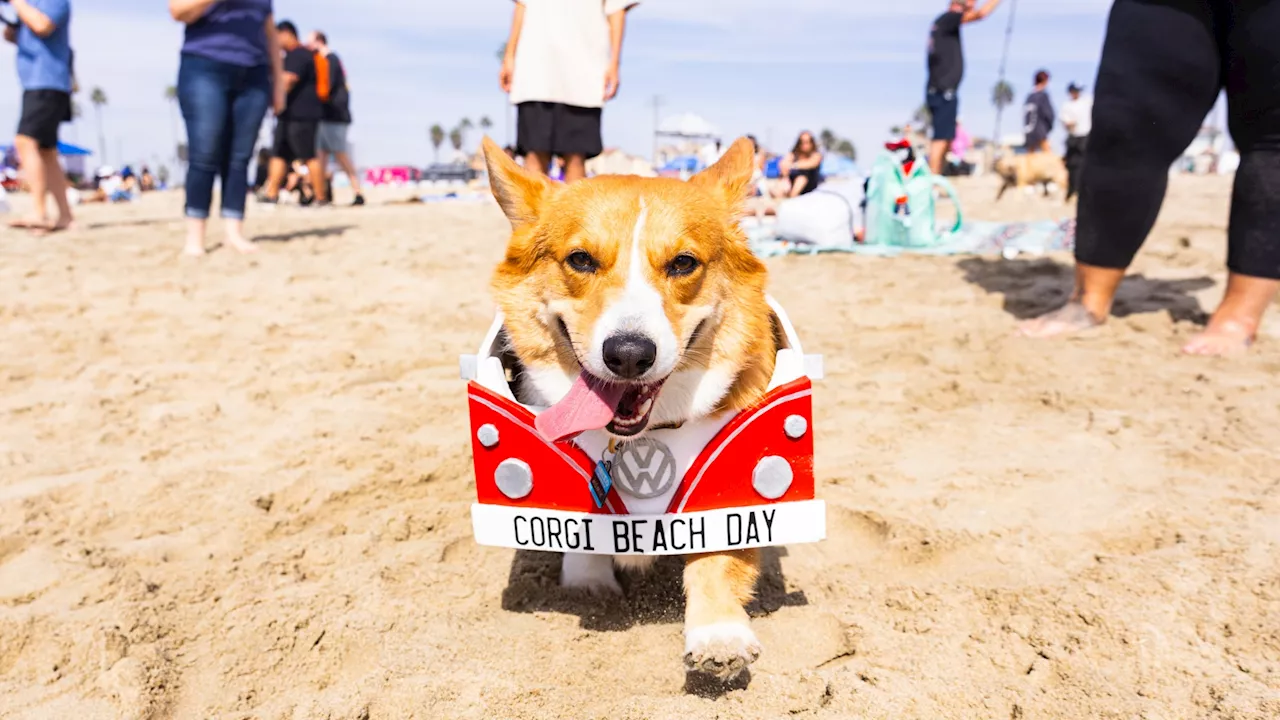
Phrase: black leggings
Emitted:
{"points": [[1163, 65]]}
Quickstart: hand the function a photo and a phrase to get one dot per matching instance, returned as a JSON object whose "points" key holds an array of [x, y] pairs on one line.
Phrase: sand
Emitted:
{"points": [[239, 488]]}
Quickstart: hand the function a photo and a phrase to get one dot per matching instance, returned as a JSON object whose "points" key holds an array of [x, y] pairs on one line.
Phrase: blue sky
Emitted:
{"points": [[768, 67]]}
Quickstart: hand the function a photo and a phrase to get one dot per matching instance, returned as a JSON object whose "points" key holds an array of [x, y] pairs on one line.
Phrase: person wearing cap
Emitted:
{"points": [[1038, 114], [1077, 118]]}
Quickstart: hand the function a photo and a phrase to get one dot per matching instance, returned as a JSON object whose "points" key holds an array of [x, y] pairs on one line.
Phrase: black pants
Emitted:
{"points": [[1074, 160], [1163, 65]]}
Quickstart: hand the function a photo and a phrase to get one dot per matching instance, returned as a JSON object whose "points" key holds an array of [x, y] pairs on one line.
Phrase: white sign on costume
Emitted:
{"points": [[737, 528]]}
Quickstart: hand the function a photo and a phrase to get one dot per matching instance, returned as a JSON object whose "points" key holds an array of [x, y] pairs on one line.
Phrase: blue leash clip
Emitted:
{"points": [[600, 483]]}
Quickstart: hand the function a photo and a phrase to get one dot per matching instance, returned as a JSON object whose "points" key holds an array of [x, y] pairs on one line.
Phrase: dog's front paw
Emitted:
{"points": [[721, 649], [589, 572]]}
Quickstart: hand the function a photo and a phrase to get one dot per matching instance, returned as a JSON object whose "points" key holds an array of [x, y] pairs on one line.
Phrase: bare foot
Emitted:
{"points": [[194, 246], [242, 246], [60, 226], [1068, 319], [29, 223], [1222, 337]]}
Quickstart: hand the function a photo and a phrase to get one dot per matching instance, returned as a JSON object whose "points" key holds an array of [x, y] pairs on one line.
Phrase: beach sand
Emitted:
{"points": [[239, 488]]}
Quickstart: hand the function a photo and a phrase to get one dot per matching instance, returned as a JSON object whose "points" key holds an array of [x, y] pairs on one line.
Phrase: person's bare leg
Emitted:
{"points": [[1234, 324], [538, 162], [317, 179], [33, 174], [56, 181], [322, 157], [195, 237], [938, 154], [275, 176], [575, 168], [348, 167], [1089, 306], [798, 185], [233, 235]]}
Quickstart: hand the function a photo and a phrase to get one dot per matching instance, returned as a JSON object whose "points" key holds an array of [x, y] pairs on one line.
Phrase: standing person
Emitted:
{"points": [[331, 137], [1163, 64], [946, 70], [560, 67], [296, 126], [1038, 115], [1077, 118], [229, 74], [43, 37]]}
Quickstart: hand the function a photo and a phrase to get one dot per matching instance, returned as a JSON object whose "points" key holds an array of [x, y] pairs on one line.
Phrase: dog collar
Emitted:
{"points": [[734, 481]]}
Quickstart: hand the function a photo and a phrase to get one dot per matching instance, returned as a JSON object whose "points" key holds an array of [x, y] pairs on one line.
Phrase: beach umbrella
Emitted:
{"points": [[64, 149], [682, 163], [69, 150]]}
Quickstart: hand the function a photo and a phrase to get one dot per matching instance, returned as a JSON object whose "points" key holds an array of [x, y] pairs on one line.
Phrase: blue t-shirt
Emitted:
{"points": [[45, 63], [231, 31]]}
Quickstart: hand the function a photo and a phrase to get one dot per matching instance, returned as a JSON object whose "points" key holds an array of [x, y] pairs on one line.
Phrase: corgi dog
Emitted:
{"points": [[1034, 168], [636, 303]]}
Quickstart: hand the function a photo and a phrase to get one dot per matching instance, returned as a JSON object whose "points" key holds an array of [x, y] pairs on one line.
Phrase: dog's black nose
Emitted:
{"points": [[629, 355]]}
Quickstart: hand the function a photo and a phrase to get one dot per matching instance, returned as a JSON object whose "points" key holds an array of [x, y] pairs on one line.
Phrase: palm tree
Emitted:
{"points": [[171, 94], [845, 147], [455, 138], [99, 99], [1001, 97], [437, 139], [827, 139], [485, 124], [464, 125]]}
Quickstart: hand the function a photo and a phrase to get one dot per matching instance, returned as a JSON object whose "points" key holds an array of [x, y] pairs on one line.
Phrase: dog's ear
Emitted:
{"points": [[519, 193], [730, 177]]}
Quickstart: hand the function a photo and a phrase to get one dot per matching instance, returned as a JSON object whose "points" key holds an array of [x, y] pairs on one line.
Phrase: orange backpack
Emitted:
{"points": [[323, 77]]}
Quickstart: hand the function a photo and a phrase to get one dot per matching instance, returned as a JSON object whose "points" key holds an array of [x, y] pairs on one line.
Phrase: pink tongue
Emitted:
{"points": [[588, 406]]}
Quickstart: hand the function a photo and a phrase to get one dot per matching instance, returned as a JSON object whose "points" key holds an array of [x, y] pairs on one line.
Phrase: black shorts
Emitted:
{"points": [[558, 129], [295, 140], [944, 106], [42, 112]]}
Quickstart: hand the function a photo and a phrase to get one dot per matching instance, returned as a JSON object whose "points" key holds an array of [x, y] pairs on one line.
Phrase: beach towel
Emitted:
{"points": [[975, 238]]}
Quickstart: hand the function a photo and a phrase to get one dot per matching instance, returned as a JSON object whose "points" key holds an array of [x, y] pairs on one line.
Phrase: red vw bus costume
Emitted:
{"points": [[723, 483]]}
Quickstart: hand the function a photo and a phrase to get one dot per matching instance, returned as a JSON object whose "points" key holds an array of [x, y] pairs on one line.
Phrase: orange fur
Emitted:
{"points": [[550, 221], [718, 585]]}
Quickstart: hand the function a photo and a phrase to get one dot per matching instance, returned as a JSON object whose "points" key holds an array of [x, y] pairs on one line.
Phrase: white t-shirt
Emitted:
{"points": [[1079, 112], [563, 51]]}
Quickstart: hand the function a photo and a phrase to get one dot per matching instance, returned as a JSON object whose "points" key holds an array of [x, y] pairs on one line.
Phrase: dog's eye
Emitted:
{"points": [[581, 261], [682, 265]]}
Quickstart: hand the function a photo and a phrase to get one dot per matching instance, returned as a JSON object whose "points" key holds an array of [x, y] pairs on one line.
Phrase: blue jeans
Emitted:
{"points": [[223, 106]]}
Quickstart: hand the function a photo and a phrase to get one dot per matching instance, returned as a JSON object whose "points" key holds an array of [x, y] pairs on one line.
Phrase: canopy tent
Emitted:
{"points": [[688, 125]]}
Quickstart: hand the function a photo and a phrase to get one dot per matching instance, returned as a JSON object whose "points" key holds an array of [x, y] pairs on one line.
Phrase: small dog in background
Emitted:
{"points": [[1027, 169]]}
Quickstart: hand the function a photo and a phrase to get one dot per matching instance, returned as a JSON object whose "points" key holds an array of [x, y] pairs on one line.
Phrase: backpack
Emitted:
{"points": [[324, 79], [901, 207]]}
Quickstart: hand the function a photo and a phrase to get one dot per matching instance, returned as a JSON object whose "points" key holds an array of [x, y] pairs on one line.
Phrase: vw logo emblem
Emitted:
{"points": [[644, 468]]}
